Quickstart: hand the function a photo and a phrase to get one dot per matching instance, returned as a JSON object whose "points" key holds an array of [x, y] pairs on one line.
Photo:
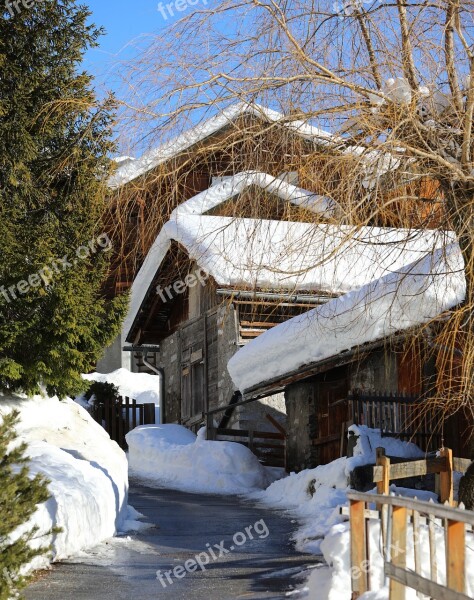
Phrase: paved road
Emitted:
{"points": [[266, 567]]}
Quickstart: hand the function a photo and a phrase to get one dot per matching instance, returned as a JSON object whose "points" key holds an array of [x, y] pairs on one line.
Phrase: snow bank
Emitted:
{"points": [[144, 388], [406, 298], [172, 456], [315, 495], [87, 471]]}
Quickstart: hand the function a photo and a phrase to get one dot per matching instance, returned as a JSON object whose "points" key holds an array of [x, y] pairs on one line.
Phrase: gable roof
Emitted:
{"points": [[277, 255], [150, 160], [413, 296]]}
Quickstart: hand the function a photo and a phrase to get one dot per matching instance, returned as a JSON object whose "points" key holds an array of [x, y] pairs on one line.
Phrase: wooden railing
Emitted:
{"points": [[444, 466], [396, 513], [119, 418], [268, 446], [396, 415]]}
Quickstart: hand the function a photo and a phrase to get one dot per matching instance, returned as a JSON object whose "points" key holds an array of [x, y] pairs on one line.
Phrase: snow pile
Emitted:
{"points": [[315, 495], [172, 456], [142, 387], [414, 295], [371, 439], [88, 473]]}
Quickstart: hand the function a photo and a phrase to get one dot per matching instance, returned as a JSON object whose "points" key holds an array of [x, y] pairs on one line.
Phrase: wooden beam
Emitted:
{"points": [[398, 550], [358, 549], [415, 468], [456, 556], [446, 477], [423, 585], [383, 462]]}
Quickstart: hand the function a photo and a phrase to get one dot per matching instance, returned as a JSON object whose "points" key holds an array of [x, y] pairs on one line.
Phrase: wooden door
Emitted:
{"points": [[331, 417]]}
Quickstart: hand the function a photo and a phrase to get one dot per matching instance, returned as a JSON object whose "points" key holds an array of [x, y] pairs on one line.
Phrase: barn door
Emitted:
{"points": [[331, 416]]}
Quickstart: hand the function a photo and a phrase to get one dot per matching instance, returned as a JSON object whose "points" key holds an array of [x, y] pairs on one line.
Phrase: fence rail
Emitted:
{"points": [[268, 446], [120, 417], [404, 417], [395, 514], [444, 466]]}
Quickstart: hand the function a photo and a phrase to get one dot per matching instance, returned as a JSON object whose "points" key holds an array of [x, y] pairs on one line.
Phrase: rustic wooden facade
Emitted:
{"points": [[382, 385]]}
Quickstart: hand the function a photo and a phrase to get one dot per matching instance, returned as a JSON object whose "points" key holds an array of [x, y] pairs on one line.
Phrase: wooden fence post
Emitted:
{"points": [[446, 478], [456, 555], [398, 549], [358, 549], [383, 487]]}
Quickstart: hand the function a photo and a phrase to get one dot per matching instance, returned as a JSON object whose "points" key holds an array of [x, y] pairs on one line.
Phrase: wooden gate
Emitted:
{"points": [[119, 418], [269, 447]]}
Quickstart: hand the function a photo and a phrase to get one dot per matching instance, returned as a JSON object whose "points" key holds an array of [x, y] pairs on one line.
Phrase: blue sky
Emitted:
{"points": [[124, 21]]}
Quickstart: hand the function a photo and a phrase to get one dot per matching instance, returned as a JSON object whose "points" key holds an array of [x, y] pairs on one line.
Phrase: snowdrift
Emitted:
{"points": [[87, 471], [172, 456]]}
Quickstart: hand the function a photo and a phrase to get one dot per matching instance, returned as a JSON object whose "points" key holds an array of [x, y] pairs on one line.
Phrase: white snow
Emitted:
{"points": [[142, 387], [414, 295], [315, 495], [87, 471], [280, 255], [232, 186], [172, 456], [200, 132]]}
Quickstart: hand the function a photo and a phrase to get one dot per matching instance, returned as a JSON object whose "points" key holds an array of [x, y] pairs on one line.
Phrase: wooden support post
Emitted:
{"points": [[251, 442], [446, 478], [383, 487], [398, 550], [456, 555], [358, 549]]}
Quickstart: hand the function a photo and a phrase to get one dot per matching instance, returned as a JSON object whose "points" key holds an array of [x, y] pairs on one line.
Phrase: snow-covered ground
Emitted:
{"points": [[142, 387], [172, 456], [87, 471], [314, 497]]}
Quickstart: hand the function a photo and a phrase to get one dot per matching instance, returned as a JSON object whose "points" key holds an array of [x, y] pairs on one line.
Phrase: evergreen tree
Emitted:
{"points": [[19, 497], [55, 139]]}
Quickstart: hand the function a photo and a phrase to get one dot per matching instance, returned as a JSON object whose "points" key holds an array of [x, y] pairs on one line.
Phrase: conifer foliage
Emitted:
{"points": [[55, 139], [19, 497]]}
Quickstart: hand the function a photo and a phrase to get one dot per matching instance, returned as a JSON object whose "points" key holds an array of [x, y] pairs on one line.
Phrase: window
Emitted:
{"points": [[192, 386]]}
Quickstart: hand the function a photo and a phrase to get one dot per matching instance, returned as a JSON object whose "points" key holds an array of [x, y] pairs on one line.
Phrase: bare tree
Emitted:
{"points": [[392, 80]]}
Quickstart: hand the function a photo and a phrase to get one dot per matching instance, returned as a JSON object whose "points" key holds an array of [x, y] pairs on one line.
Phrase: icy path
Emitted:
{"points": [[183, 527]]}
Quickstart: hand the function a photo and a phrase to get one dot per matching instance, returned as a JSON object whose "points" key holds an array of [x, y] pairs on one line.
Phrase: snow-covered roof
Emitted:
{"points": [[278, 255], [412, 296], [232, 186], [150, 160]]}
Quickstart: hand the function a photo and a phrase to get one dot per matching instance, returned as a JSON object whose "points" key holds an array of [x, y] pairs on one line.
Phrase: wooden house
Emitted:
{"points": [[241, 138], [144, 192], [368, 357], [212, 282]]}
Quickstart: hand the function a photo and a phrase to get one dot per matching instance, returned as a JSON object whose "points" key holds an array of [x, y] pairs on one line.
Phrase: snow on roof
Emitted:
{"points": [[413, 296], [232, 186], [278, 255], [150, 160]]}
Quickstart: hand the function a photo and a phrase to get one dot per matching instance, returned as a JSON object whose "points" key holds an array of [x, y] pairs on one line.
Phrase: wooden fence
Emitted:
{"points": [[396, 513], [443, 466], [404, 417], [268, 446], [119, 418]]}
